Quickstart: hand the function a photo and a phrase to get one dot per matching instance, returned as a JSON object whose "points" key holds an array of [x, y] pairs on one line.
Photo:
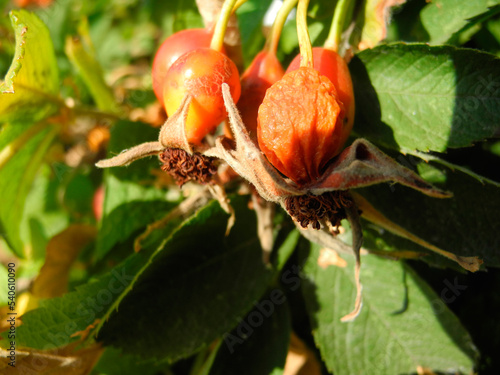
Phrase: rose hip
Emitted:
{"points": [[171, 49], [200, 73], [264, 70], [331, 65], [300, 124]]}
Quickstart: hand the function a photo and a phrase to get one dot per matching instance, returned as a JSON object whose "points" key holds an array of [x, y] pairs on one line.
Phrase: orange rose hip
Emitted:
{"points": [[300, 124], [333, 66]]}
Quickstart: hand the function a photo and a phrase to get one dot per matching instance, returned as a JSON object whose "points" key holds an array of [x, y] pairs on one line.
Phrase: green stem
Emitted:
{"points": [[76, 110], [220, 28], [279, 22], [343, 8], [81, 111], [237, 5], [303, 34], [49, 97]]}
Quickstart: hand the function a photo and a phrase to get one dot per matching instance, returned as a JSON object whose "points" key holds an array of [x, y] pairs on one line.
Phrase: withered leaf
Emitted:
{"points": [[63, 361], [62, 251]]}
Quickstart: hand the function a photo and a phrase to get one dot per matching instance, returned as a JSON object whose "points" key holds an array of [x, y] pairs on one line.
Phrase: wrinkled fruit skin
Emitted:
{"points": [[300, 124], [171, 49], [333, 66], [201, 73], [264, 70]]}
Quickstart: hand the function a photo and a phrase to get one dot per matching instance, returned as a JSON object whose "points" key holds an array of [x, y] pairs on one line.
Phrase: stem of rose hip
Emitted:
{"points": [[279, 22], [343, 10], [220, 27], [303, 35], [237, 5]]}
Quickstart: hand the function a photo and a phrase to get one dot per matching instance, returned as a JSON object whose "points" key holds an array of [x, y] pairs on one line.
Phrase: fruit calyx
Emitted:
{"points": [[327, 209], [184, 167]]}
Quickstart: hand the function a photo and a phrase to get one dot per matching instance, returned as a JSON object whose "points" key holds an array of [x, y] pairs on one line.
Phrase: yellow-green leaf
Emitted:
{"points": [[372, 22], [17, 172], [29, 92], [81, 55]]}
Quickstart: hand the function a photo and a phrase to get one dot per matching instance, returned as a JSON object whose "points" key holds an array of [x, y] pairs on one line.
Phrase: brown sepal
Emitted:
{"points": [[172, 135], [362, 164]]}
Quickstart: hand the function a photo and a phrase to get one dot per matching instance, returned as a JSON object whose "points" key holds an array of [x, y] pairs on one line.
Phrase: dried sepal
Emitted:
{"points": [[172, 135], [370, 213], [173, 132], [265, 213], [132, 154], [324, 238], [218, 192], [362, 164], [357, 242]]}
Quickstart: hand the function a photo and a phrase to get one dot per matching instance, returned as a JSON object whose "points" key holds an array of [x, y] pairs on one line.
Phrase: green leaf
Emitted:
{"points": [[415, 97], [52, 324], [259, 344], [250, 17], [473, 26], [131, 201], [465, 224], [30, 90], [44, 215], [286, 249], [403, 323], [161, 283], [194, 290], [19, 163], [83, 59], [443, 18], [176, 15]]}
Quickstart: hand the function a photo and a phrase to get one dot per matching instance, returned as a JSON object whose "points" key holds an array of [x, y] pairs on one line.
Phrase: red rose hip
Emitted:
{"points": [[200, 73], [171, 49], [264, 70]]}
